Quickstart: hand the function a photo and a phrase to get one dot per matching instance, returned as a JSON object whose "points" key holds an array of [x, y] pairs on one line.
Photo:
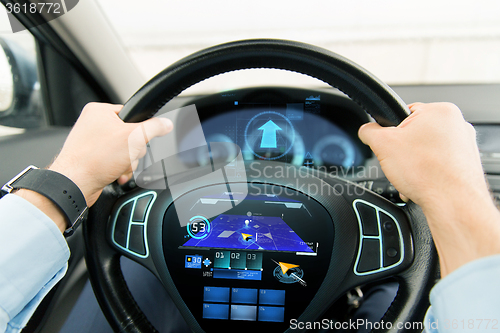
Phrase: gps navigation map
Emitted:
{"points": [[251, 233]]}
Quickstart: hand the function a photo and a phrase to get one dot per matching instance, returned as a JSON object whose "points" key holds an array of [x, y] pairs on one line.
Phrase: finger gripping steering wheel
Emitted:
{"points": [[419, 267]]}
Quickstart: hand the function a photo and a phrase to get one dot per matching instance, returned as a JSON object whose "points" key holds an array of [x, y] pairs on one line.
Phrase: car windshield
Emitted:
{"points": [[402, 42]]}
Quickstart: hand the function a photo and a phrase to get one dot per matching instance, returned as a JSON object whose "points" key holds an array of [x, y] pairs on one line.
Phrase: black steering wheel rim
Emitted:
{"points": [[378, 99], [373, 95]]}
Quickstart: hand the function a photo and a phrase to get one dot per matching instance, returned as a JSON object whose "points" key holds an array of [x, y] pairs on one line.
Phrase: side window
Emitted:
{"points": [[21, 106]]}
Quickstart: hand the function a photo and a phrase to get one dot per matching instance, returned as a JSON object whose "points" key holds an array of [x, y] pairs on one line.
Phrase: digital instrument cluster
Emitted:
{"points": [[299, 127]]}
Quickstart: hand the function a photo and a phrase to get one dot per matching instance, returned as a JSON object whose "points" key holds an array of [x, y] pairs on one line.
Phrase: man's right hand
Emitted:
{"points": [[432, 158]]}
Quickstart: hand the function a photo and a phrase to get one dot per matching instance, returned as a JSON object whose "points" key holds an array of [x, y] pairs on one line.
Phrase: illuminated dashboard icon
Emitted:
{"points": [[193, 261], [207, 262], [198, 227], [247, 237], [269, 135], [269, 130], [289, 273], [285, 267]]}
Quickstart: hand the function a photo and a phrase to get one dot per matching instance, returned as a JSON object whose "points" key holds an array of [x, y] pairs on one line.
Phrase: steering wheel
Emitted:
{"points": [[369, 238]]}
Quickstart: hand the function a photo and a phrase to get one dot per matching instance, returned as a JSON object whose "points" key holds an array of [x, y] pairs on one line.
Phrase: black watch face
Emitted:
{"points": [[245, 262]]}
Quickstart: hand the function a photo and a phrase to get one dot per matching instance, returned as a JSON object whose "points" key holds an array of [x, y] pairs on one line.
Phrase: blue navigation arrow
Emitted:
{"points": [[269, 134]]}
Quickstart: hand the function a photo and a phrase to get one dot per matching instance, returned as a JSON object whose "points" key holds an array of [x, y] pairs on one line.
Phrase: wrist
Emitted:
{"points": [[46, 206], [466, 205], [76, 176], [53, 193], [464, 229]]}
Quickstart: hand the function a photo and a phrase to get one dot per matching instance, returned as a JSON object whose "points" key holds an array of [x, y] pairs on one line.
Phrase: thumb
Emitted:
{"points": [[156, 127], [145, 132], [369, 132]]}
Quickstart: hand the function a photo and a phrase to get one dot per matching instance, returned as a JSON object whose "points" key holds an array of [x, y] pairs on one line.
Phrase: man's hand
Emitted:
{"points": [[98, 150], [432, 154], [432, 158]]}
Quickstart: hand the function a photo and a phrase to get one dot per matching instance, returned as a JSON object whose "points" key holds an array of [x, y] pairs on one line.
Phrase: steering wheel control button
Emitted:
{"points": [[377, 252], [128, 231], [391, 253], [379, 187], [136, 239], [140, 208], [122, 225], [369, 260], [216, 294], [389, 226], [392, 194], [368, 217], [383, 188], [390, 240]]}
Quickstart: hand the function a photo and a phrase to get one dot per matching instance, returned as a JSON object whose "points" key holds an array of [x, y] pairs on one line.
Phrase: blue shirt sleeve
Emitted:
{"points": [[33, 259], [467, 300]]}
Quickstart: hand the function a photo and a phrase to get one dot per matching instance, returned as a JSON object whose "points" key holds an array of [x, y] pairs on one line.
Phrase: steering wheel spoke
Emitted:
{"points": [[385, 240], [103, 264], [128, 225]]}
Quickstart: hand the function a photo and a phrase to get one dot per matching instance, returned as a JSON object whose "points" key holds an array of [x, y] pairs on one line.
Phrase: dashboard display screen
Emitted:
{"points": [[291, 129], [258, 258]]}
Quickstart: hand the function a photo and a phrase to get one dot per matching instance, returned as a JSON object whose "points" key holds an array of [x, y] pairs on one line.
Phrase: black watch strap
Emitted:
{"points": [[58, 188]]}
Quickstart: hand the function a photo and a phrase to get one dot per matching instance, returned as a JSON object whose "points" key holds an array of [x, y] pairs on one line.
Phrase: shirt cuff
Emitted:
{"points": [[17, 323], [34, 255], [467, 299]]}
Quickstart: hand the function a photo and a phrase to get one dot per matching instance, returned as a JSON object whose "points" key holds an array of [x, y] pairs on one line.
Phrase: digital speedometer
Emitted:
{"points": [[198, 227]]}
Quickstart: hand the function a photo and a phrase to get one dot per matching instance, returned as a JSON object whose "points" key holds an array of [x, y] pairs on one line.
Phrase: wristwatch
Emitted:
{"points": [[58, 188]]}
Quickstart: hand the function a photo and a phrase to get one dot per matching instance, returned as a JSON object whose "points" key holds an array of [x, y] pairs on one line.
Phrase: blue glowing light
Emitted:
{"points": [[269, 134], [288, 132]]}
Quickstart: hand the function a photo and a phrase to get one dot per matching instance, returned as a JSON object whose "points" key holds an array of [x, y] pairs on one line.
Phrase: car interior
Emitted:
{"points": [[239, 235]]}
